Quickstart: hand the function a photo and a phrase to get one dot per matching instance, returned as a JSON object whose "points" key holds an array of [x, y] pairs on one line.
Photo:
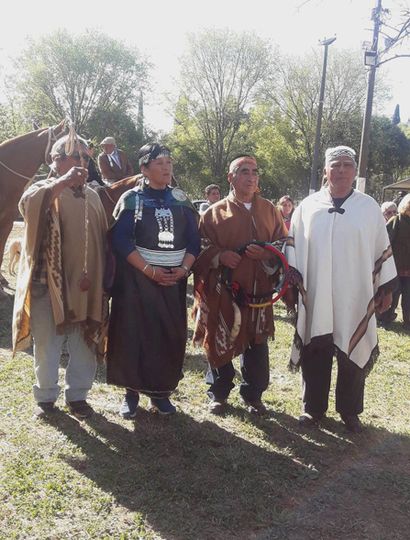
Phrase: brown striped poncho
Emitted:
{"points": [[62, 224], [223, 329]]}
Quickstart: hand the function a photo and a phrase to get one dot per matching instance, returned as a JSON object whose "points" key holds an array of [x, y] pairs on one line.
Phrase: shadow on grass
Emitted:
{"points": [[193, 479], [207, 483]]}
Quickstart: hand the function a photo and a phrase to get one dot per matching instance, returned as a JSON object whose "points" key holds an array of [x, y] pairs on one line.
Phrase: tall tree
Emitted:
{"points": [[61, 75], [396, 115], [294, 86], [220, 75]]}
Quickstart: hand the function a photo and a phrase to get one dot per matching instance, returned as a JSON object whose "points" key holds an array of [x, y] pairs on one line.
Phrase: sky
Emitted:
{"points": [[159, 30]]}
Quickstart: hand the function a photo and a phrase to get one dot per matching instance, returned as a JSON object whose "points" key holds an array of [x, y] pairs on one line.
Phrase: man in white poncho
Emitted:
{"points": [[339, 244]]}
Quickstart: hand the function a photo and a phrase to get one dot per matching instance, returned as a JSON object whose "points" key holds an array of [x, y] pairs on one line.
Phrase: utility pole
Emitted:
{"points": [[370, 60], [313, 173]]}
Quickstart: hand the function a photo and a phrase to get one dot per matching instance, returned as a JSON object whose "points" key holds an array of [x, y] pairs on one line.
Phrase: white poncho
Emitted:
{"points": [[343, 259]]}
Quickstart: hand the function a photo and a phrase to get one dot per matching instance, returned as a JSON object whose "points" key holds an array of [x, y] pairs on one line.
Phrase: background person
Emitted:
{"points": [[113, 162], [94, 177], [212, 194], [389, 209], [65, 225], [156, 239], [223, 329], [339, 244], [398, 228], [286, 207]]}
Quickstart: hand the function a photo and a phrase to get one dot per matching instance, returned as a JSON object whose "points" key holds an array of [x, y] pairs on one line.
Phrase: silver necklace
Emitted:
{"points": [[165, 222]]}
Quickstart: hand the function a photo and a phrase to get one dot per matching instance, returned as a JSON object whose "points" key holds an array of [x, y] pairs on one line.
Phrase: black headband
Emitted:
{"points": [[152, 151]]}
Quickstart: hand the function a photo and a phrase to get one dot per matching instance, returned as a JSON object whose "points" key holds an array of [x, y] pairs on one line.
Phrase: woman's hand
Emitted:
{"points": [[179, 272], [163, 276]]}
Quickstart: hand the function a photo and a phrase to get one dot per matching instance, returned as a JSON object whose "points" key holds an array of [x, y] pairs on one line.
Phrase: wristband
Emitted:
{"points": [[185, 268]]}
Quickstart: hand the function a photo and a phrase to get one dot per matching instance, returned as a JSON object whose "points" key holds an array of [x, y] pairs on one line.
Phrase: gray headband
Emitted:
{"points": [[332, 154]]}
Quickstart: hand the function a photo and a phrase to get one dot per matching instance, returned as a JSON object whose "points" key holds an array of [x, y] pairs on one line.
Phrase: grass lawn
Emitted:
{"points": [[194, 476]]}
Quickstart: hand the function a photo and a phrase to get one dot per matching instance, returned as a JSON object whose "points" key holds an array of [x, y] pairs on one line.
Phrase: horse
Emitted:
{"points": [[110, 195], [20, 158]]}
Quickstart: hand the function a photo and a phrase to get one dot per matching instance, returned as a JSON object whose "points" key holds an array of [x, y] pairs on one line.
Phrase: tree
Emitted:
{"points": [[276, 145], [293, 89], [389, 155], [191, 168], [396, 116], [62, 75], [220, 75]]}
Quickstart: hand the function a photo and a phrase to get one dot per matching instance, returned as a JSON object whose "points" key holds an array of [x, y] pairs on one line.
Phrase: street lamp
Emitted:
{"points": [[313, 174]]}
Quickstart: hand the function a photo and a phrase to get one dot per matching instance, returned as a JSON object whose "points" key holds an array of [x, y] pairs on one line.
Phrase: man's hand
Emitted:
{"points": [[383, 302], [75, 177], [229, 258], [290, 298], [255, 252]]}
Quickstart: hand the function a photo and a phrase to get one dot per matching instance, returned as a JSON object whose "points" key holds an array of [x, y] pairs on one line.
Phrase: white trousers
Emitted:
{"points": [[82, 365]]}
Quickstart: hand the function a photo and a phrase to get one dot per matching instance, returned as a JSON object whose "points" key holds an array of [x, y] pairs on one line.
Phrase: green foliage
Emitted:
{"points": [[276, 148], [61, 74], [115, 123], [10, 123], [389, 154], [219, 77]]}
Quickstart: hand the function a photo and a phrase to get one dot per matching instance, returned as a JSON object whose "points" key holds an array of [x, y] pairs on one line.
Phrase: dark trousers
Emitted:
{"points": [[255, 374], [316, 373]]}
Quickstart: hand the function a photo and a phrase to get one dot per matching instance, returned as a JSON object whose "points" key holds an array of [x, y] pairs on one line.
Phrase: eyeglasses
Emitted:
{"points": [[78, 157]]}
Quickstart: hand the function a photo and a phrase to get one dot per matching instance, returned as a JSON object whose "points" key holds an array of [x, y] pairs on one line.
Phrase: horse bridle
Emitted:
{"points": [[243, 299], [51, 138]]}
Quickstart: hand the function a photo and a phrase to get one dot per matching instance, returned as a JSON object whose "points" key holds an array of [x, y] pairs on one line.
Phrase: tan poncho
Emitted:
{"points": [[228, 225], [63, 226]]}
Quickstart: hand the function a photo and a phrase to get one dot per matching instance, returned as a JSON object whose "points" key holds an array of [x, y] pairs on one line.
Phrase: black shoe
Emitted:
{"points": [[352, 423], [217, 406], [256, 407], [129, 406], [44, 409], [80, 409], [162, 406], [309, 421]]}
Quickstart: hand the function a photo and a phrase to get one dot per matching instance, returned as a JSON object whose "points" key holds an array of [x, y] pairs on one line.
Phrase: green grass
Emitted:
{"points": [[194, 476]]}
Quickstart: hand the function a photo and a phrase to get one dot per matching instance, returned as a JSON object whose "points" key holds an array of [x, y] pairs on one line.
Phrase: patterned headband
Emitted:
{"points": [[332, 154], [154, 152], [236, 163]]}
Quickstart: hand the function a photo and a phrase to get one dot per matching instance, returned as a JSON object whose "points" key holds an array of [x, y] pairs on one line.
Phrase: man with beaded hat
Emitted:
{"points": [[155, 239], [339, 244]]}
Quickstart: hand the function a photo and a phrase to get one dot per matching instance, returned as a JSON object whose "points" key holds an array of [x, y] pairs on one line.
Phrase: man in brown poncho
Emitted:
{"points": [[59, 293], [223, 328]]}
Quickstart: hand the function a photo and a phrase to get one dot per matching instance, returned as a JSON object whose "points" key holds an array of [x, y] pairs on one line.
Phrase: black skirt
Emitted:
{"points": [[147, 333]]}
